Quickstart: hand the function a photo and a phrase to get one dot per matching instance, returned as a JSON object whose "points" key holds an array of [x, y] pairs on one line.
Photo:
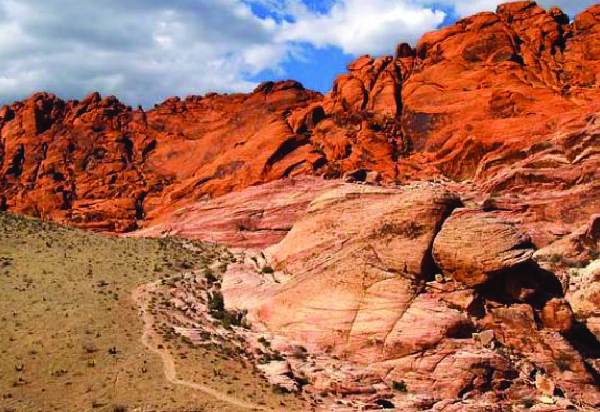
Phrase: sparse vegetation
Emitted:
{"points": [[65, 299], [216, 304], [528, 403], [268, 270], [411, 230], [264, 342], [210, 277], [399, 386]]}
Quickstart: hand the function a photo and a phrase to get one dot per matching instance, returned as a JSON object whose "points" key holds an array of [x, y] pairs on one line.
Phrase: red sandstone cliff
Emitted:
{"points": [[507, 100]]}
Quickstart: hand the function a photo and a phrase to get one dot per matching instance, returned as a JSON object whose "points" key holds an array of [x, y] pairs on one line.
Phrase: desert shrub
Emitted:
{"points": [[399, 386], [264, 342], [279, 390], [216, 303], [268, 270], [228, 320], [210, 277], [528, 403], [410, 230]]}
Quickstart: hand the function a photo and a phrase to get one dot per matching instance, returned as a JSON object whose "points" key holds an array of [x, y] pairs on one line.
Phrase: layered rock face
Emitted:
{"points": [[362, 268], [506, 99], [254, 218], [417, 288], [100, 165]]}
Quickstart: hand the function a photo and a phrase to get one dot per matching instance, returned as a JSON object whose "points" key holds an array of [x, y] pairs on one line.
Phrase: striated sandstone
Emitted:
{"points": [[365, 290], [474, 246], [256, 217], [371, 269]]}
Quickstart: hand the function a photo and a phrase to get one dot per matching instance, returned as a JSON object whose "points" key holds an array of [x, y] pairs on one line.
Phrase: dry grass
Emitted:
{"points": [[70, 332]]}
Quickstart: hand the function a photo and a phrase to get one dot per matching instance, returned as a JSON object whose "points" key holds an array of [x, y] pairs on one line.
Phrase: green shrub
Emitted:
{"points": [[528, 403], [268, 270], [399, 386], [210, 277], [264, 342], [216, 303]]}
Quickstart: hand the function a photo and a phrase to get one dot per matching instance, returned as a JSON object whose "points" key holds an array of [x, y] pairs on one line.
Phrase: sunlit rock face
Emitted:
{"points": [[417, 288], [506, 100]]}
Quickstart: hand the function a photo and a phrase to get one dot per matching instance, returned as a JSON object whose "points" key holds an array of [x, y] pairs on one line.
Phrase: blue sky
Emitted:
{"points": [[321, 65], [144, 51]]}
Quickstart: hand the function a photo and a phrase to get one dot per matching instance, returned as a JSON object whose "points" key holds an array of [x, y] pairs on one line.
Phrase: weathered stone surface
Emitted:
{"points": [[449, 369], [584, 296], [507, 100], [101, 165], [515, 327], [500, 107], [473, 246], [422, 326], [557, 315], [256, 217], [366, 291], [371, 269], [576, 249]]}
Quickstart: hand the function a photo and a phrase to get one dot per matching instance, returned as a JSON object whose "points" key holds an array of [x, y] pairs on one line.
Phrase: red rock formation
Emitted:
{"points": [[100, 165], [473, 246], [363, 289], [506, 99], [501, 107]]}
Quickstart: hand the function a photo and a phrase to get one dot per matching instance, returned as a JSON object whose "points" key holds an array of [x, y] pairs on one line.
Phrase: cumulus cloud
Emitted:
{"points": [[361, 27], [145, 50], [141, 50]]}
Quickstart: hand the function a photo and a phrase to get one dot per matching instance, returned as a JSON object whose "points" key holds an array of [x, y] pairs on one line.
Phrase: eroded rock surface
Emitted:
{"points": [[369, 248], [473, 246], [507, 100], [368, 291], [429, 287], [256, 217]]}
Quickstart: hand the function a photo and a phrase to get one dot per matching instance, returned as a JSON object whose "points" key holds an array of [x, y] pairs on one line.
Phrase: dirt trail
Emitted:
{"points": [[149, 339]]}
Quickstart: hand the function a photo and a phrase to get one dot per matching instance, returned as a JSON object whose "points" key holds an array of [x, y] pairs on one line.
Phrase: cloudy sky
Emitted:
{"points": [[146, 50]]}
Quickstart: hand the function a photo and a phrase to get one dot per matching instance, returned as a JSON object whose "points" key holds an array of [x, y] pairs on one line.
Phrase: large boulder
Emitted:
{"points": [[474, 246], [362, 253]]}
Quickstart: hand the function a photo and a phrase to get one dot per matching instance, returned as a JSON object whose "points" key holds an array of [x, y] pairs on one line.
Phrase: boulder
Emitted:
{"points": [[474, 246], [371, 269], [557, 315]]}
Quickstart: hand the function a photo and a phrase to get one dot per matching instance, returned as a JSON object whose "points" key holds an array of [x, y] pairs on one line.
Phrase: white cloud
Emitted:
{"points": [[361, 27], [140, 50], [145, 50]]}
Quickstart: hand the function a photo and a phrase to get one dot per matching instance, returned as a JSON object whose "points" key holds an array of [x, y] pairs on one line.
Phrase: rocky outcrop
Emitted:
{"points": [[366, 266], [101, 165], [474, 246], [506, 100], [257, 217], [451, 314], [584, 296]]}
